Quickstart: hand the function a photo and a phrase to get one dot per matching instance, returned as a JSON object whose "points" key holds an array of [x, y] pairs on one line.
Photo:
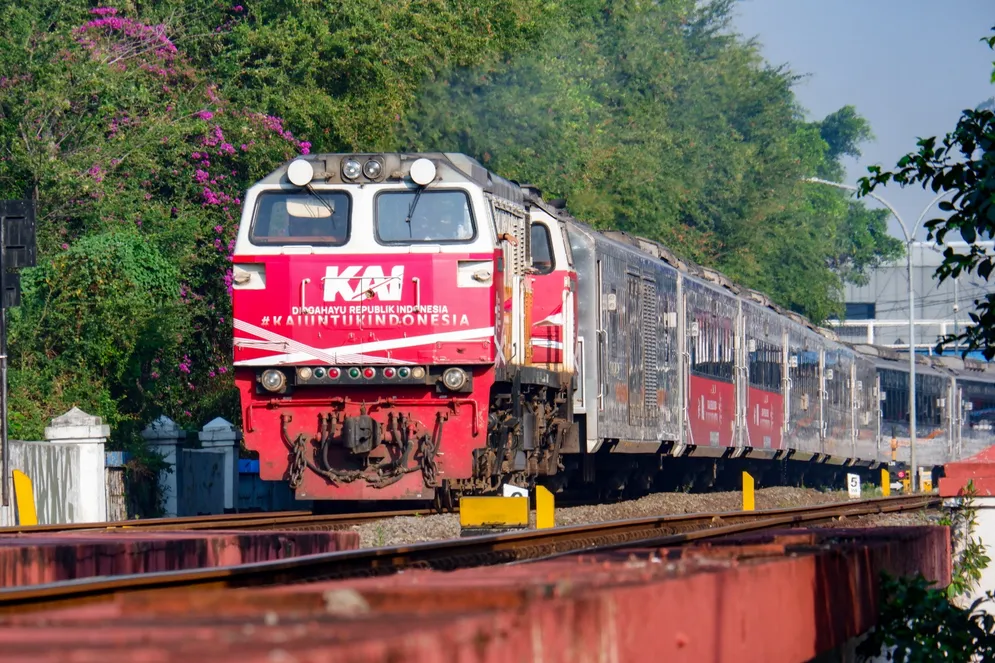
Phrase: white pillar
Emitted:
{"points": [[221, 435], [90, 433], [163, 436]]}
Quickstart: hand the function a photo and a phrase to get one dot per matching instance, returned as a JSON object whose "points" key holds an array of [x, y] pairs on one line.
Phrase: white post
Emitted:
{"points": [[219, 434], [90, 433], [163, 436]]}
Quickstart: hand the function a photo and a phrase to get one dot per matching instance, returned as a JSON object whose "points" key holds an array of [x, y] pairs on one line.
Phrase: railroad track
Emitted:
{"points": [[454, 553], [289, 520]]}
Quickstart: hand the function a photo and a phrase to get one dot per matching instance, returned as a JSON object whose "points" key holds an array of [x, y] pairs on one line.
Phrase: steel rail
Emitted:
{"points": [[142, 524], [449, 554], [275, 520]]}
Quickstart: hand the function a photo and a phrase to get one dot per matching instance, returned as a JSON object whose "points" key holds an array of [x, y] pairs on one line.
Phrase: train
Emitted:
{"points": [[413, 326]]}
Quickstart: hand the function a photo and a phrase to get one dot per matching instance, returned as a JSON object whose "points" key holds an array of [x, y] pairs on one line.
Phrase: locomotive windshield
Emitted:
{"points": [[301, 218], [439, 217]]}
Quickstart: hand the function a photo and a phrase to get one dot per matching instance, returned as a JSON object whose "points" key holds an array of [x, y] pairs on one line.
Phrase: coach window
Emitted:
{"points": [[765, 367], [437, 217], [542, 249], [301, 218]]}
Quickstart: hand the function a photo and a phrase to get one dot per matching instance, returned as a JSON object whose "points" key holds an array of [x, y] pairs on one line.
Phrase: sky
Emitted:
{"points": [[909, 66]]}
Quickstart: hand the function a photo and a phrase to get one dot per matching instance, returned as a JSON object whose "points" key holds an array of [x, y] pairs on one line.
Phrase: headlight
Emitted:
{"points": [[372, 169], [273, 380], [300, 172], [422, 172], [351, 169], [454, 379], [304, 373]]}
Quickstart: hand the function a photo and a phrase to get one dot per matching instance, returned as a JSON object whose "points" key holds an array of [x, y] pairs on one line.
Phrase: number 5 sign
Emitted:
{"points": [[853, 485]]}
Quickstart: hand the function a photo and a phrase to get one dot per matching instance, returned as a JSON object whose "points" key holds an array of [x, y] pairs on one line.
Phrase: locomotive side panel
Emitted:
{"points": [[553, 314], [711, 328], [804, 414], [933, 421], [588, 396], [867, 442], [765, 360], [838, 405], [637, 295], [931, 424], [977, 397]]}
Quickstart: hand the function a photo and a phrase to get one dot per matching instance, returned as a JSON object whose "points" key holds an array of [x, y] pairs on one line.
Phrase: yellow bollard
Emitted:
{"points": [[748, 502], [494, 512], [24, 495], [885, 483], [544, 508]]}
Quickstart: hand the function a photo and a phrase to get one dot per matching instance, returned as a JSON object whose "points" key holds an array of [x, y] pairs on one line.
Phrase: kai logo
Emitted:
{"points": [[354, 283]]}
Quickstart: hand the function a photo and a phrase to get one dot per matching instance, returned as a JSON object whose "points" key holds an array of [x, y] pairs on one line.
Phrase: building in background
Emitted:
{"points": [[878, 313]]}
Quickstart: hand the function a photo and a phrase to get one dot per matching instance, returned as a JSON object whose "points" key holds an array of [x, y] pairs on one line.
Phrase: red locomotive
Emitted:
{"points": [[413, 326]]}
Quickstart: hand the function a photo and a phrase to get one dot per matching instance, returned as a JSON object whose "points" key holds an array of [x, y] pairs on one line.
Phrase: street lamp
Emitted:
{"points": [[909, 239]]}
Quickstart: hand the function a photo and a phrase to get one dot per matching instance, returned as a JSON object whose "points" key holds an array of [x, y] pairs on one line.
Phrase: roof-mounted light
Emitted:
{"points": [[300, 172], [372, 169], [422, 172], [351, 169]]}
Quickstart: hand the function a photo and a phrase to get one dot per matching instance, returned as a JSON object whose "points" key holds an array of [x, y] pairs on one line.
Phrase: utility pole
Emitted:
{"points": [[17, 249], [909, 241]]}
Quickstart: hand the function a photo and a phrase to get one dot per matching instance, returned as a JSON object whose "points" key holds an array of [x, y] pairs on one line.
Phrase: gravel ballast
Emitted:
{"points": [[400, 531]]}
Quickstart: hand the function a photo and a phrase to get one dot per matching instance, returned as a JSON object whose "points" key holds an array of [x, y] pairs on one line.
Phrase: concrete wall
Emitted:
{"points": [[67, 471], [888, 290], [54, 473]]}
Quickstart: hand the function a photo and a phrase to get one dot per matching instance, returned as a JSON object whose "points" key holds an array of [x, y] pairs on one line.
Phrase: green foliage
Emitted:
{"points": [[962, 165], [105, 308], [970, 559], [137, 129], [651, 118], [344, 72], [918, 624]]}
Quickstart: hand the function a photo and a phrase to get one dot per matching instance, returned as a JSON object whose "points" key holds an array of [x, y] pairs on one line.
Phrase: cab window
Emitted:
{"points": [[301, 218], [438, 217], [542, 249]]}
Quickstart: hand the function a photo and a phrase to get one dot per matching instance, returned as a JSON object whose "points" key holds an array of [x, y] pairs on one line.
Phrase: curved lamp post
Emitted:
{"points": [[909, 239]]}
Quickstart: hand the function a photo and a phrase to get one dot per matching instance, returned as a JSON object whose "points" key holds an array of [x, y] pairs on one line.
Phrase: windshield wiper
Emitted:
{"points": [[331, 208], [411, 209]]}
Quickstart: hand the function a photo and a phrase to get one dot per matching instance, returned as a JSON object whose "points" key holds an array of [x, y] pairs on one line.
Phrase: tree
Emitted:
{"points": [[137, 130], [652, 118], [963, 164]]}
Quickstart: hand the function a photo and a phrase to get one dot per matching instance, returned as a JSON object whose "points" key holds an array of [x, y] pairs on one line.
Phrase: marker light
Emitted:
{"points": [[418, 372], [351, 169], [454, 378], [354, 372], [403, 372], [300, 172], [273, 380], [389, 372], [422, 172], [334, 373], [319, 372], [372, 169], [368, 373], [304, 373]]}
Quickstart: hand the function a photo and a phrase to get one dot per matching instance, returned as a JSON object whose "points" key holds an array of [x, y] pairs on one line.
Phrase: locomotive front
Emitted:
{"points": [[364, 323]]}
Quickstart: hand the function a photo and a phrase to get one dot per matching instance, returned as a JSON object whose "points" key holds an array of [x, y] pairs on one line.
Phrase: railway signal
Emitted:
{"points": [[17, 250]]}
